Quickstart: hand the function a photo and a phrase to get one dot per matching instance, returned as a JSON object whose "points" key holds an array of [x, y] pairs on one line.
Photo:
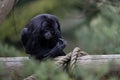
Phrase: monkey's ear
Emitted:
{"points": [[58, 24], [57, 28]]}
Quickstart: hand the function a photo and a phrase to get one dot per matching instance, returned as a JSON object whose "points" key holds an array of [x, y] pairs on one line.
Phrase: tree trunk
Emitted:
{"points": [[5, 8]]}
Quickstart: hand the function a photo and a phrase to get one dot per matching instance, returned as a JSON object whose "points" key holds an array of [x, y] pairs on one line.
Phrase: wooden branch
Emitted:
{"points": [[5, 8], [98, 61], [91, 60], [10, 62]]}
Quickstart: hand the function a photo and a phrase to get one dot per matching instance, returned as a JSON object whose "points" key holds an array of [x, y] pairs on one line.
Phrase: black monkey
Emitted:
{"points": [[42, 37]]}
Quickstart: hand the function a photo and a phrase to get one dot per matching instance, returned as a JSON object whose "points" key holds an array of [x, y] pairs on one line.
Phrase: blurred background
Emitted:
{"points": [[92, 25]]}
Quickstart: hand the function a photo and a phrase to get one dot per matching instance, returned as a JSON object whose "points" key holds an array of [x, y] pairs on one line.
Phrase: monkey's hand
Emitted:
{"points": [[58, 48], [62, 43]]}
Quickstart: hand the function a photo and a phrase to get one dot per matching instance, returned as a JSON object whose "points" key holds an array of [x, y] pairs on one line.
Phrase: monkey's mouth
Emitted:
{"points": [[47, 36]]}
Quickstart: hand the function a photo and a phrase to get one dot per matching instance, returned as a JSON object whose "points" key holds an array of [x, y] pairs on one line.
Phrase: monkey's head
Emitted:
{"points": [[49, 27], [45, 25]]}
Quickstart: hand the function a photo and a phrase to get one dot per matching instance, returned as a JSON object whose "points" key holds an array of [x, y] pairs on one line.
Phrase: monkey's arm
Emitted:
{"points": [[58, 49]]}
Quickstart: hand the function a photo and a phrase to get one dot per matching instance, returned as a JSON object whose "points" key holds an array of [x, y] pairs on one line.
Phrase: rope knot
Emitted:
{"points": [[68, 62]]}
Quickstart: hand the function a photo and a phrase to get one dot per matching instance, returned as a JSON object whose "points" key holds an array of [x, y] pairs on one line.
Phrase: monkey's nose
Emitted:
{"points": [[48, 35]]}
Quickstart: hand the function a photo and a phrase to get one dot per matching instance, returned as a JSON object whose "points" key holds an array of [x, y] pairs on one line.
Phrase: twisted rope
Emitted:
{"points": [[69, 61], [66, 62]]}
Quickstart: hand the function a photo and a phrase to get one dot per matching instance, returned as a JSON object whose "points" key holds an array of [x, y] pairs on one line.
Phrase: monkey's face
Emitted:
{"points": [[47, 30], [48, 33]]}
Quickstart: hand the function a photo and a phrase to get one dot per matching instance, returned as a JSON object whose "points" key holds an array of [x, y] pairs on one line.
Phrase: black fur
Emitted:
{"points": [[42, 37]]}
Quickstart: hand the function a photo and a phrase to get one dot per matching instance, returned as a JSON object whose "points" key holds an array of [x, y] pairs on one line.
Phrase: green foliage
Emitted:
{"points": [[2, 72], [23, 2], [95, 72], [102, 34], [8, 51], [45, 70]]}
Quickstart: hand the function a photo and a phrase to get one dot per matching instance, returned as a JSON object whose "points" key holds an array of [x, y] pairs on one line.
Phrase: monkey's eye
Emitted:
{"points": [[44, 23]]}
